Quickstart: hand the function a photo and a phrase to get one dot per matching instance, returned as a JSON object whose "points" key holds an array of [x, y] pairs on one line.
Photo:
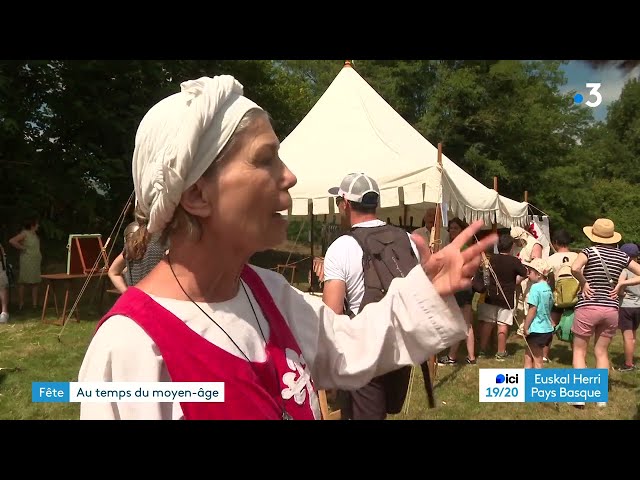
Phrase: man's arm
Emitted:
{"points": [[522, 270], [333, 295], [334, 291]]}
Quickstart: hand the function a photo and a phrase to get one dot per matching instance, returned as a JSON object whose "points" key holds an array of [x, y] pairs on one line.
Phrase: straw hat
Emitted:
{"points": [[602, 231], [539, 265]]}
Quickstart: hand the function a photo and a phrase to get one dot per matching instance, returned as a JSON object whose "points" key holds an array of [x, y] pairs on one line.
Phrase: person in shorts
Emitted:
{"points": [[499, 304], [629, 313], [538, 327], [598, 268], [560, 264], [463, 299]]}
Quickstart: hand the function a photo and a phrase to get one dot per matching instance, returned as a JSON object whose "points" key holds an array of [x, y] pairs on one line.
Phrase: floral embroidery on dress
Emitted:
{"points": [[298, 381]]}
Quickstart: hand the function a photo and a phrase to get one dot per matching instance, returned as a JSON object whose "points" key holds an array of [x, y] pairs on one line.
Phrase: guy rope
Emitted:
{"points": [[435, 241], [114, 233]]}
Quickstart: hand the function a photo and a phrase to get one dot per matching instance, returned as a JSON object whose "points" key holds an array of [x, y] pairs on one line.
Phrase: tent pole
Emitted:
{"points": [[311, 225], [432, 362], [323, 241], [438, 220], [494, 227]]}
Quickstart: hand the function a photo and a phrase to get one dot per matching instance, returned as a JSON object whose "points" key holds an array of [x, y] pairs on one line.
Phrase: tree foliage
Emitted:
{"points": [[67, 130]]}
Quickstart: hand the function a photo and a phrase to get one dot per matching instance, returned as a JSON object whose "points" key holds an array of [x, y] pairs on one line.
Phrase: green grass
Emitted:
{"points": [[31, 352], [456, 391]]}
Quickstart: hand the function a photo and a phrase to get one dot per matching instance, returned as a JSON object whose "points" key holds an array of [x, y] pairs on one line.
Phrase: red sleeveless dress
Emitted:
{"points": [[255, 391]]}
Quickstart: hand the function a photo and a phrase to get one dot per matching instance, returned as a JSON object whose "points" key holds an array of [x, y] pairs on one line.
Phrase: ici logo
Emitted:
{"points": [[500, 378]]}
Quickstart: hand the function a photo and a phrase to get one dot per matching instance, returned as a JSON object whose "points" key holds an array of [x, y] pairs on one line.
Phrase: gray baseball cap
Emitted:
{"points": [[358, 187]]}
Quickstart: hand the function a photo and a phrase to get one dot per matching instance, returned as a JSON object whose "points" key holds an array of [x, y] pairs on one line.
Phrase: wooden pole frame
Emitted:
{"points": [[432, 362]]}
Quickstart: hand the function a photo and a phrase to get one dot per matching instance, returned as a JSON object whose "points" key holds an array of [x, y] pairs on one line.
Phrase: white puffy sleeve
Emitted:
{"points": [[411, 323]]}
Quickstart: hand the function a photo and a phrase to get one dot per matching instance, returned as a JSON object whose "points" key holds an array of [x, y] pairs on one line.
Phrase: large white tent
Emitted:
{"points": [[353, 129]]}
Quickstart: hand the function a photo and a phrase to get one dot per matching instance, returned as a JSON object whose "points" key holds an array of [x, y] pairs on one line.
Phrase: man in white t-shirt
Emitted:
{"points": [[357, 200], [343, 260]]}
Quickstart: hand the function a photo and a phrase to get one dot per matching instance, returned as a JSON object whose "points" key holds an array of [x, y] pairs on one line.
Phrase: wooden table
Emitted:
{"points": [[66, 279]]}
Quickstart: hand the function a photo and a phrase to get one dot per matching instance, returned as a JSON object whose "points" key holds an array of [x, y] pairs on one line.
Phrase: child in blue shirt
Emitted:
{"points": [[538, 329]]}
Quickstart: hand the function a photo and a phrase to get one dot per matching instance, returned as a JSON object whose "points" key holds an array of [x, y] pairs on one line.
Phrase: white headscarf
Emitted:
{"points": [[518, 233], [179, 138]]}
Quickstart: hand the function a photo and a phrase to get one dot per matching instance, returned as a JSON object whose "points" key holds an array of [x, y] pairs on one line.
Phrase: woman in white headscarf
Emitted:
{"points": [[207, 174], [530, 248]]}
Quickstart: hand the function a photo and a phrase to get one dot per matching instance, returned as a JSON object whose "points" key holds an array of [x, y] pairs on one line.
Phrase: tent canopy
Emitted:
{"points": [[353, 129]]}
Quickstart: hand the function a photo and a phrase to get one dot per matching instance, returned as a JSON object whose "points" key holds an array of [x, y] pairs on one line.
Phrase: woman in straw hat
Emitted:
{"points": [[207, 174], [598, 269]]}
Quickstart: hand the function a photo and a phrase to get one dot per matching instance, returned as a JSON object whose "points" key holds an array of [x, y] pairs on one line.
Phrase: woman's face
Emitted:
{"points": [[454, 230], [248, 189]]}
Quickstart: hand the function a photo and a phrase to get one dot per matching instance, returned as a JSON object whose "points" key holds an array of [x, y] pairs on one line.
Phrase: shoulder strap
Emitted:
{"points": [[606, 270], [360, 234], [387, 254], [385, 236]]}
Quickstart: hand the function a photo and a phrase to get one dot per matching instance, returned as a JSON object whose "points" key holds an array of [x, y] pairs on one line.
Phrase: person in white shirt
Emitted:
{"points": [[560, 263], [357, 199], [207, 175], [343, 260]]}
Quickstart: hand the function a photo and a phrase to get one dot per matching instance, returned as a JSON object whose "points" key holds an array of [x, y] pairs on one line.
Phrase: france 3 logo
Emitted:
{"points": [[579, 98], [501, 385]]}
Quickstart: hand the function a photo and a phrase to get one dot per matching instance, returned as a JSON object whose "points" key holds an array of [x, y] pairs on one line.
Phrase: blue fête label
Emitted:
{"points": [[50, 392]]}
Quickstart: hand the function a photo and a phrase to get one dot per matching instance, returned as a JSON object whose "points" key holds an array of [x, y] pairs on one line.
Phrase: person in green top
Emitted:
{"points": [[28, 243], [463, 299]]}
